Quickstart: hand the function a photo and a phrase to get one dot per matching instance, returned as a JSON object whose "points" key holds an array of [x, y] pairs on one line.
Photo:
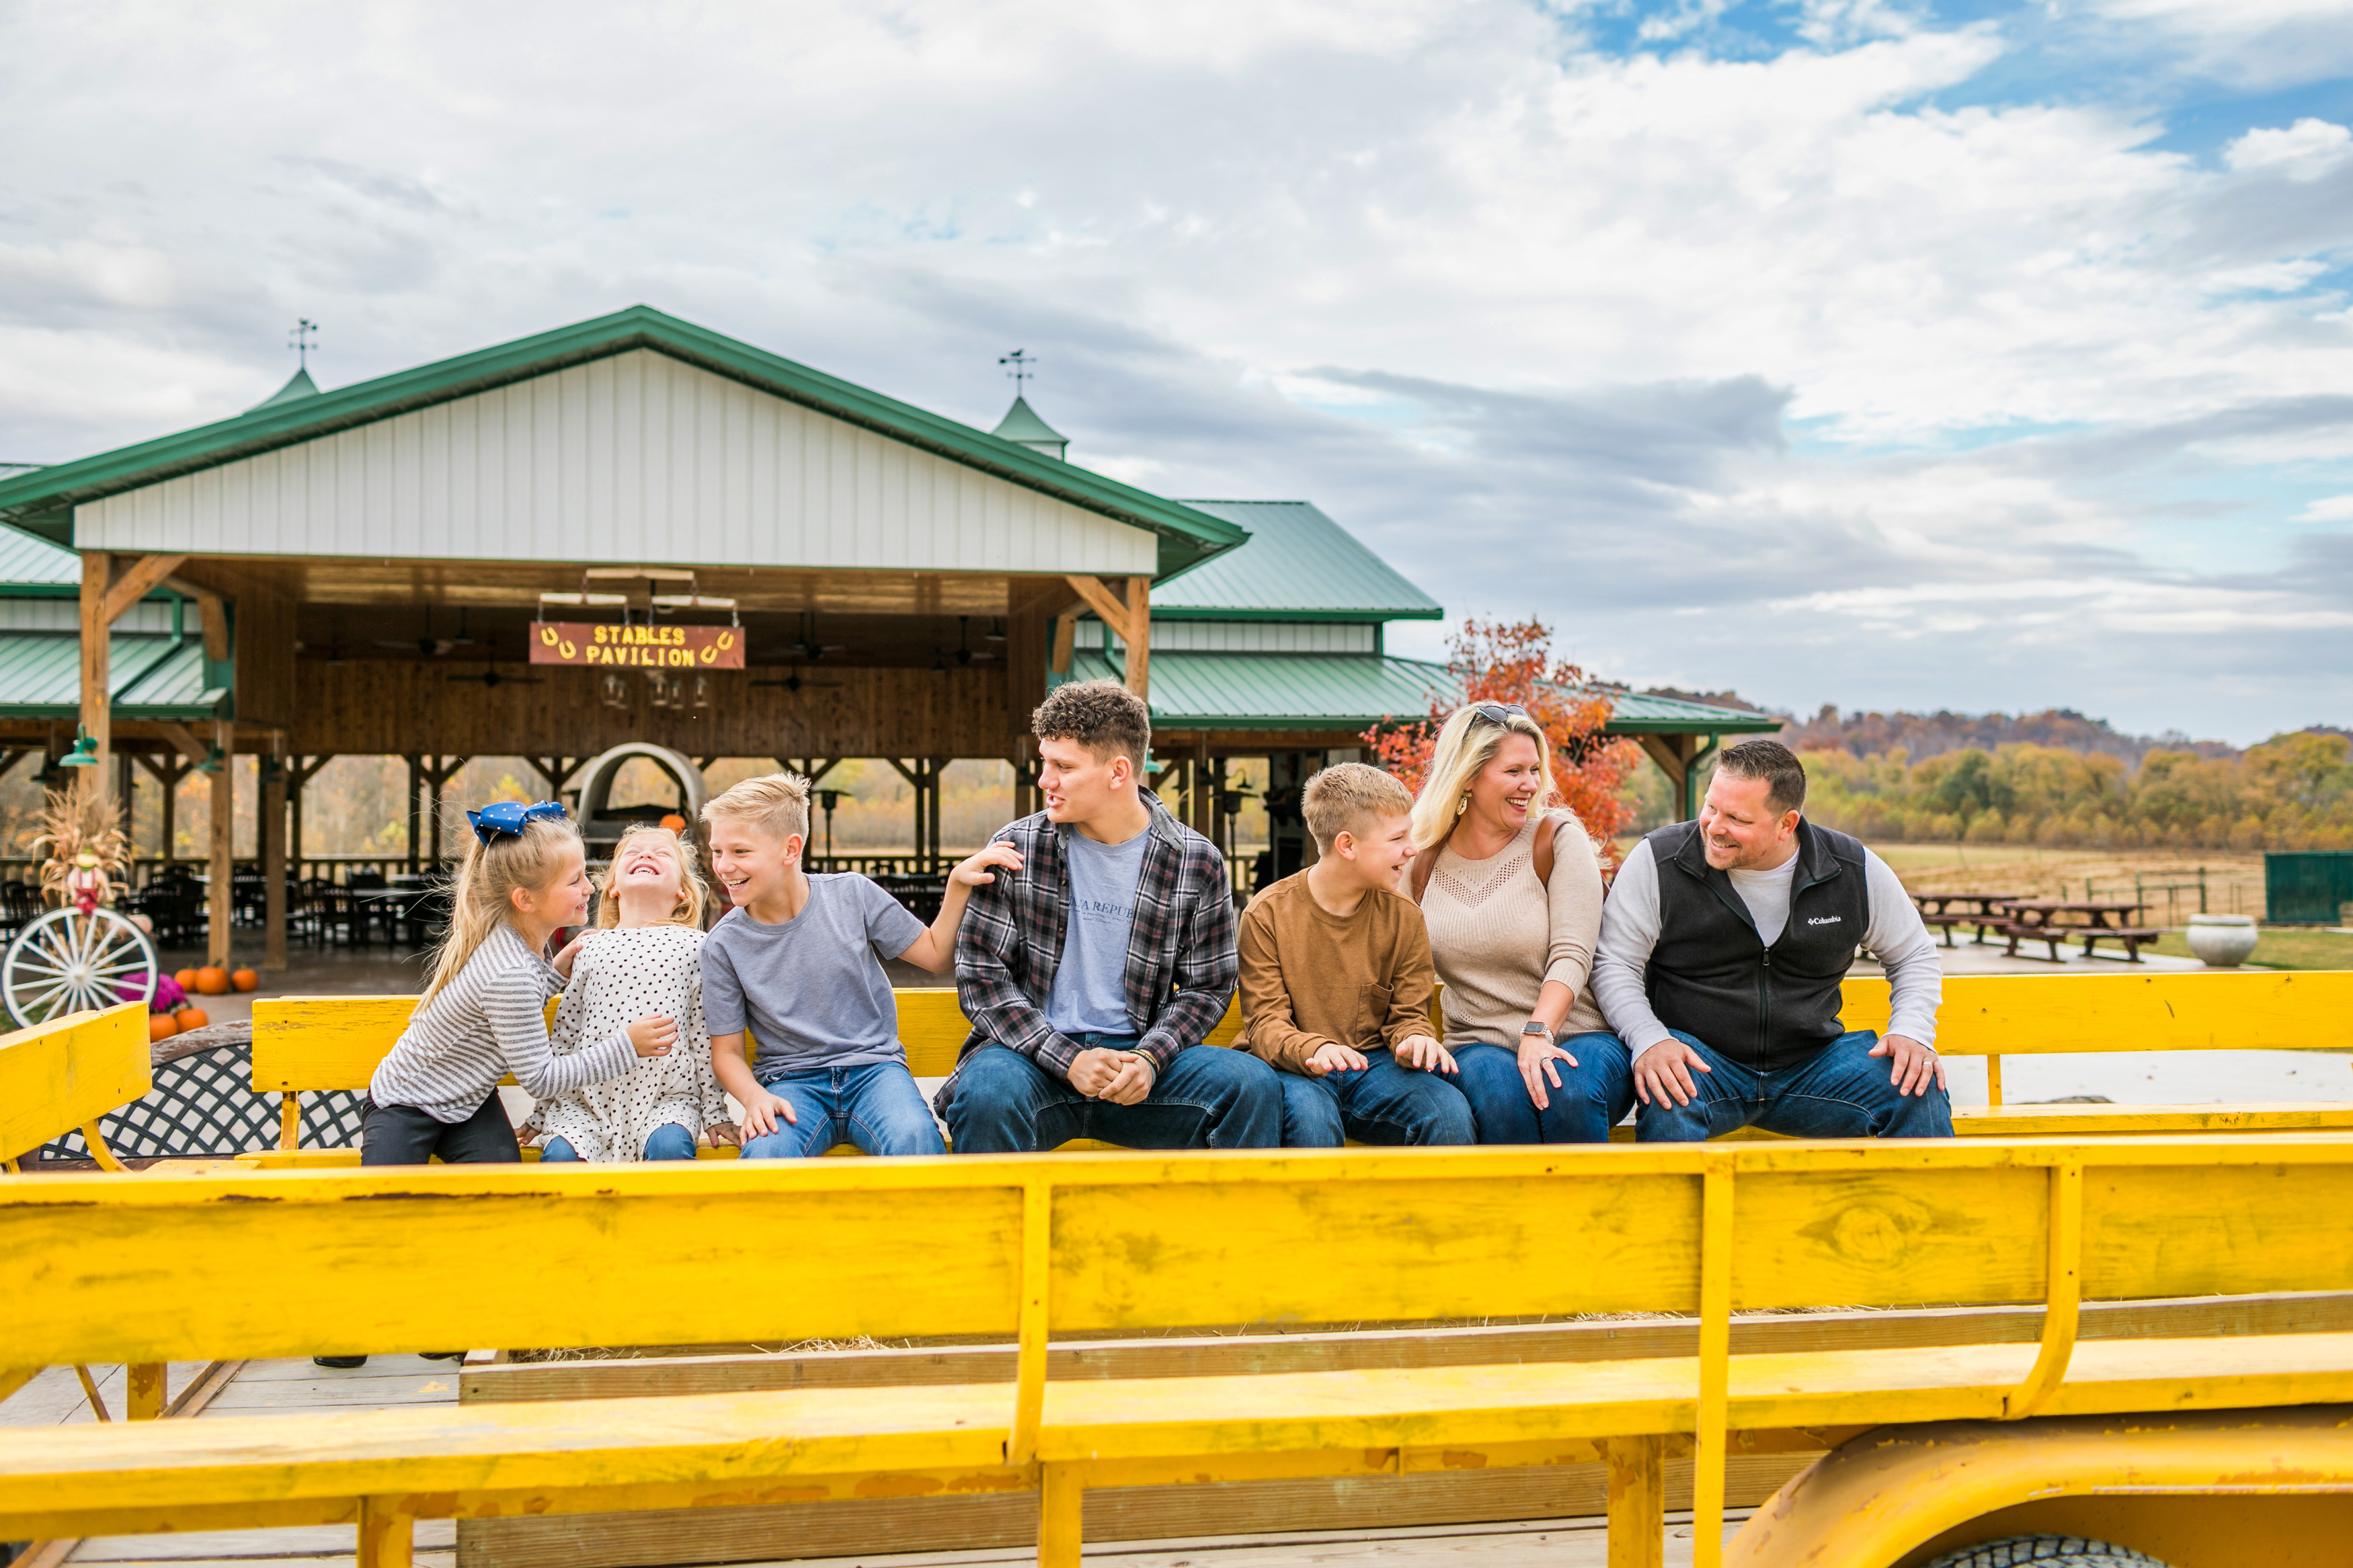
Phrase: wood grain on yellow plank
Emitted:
{"points": [[1883, 1237], [2181, 1231], [55, 1076], [324, 1042], [2037, 1015]]}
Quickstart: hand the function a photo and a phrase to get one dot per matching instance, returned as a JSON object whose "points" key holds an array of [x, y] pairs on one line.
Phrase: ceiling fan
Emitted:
{"points": [[429, 646], [491, 679], [808, 647], [793, 681], [965, 654]]}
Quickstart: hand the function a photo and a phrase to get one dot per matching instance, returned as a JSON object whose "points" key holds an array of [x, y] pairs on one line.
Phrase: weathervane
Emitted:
{"points": [[1021, 370], [299, 341]]}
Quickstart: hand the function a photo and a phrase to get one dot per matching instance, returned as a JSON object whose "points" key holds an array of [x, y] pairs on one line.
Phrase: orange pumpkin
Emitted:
{"points": [[212, 980], [245, 979], [186, 977], [161, 1026], [191, 1018]]}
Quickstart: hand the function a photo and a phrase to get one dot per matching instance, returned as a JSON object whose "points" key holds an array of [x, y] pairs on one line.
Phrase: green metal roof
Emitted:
{"points": [[1021, 424], [152, 677], [299, 385], [1299, 565], [43, 500], [29, 561], [1351, 692]]}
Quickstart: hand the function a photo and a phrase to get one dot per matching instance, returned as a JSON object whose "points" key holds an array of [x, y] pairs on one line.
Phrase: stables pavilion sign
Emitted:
{"points": [[636, 646]]}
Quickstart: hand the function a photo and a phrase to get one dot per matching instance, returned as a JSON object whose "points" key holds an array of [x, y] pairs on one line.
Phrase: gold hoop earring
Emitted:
{"points": [[1463, 805]]}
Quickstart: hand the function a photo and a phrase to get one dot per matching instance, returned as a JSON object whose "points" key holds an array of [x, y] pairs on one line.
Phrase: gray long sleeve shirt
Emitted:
{"points": [[1630, 931]]}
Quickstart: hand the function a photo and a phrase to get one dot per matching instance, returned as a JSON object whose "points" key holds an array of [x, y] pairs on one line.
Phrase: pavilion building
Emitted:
{"points": [[358, 571]]}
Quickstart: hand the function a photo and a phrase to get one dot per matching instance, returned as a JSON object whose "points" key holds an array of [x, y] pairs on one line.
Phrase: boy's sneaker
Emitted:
{"points": [[341, 1363], [443, 1355]]}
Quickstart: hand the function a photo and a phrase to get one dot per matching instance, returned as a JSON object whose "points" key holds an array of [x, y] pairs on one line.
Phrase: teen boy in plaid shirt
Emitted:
{"points": [[1089, 972]]}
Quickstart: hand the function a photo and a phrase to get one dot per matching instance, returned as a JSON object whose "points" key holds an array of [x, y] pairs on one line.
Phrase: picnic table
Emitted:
{"points": [[2040, 920], [1985, 912]]}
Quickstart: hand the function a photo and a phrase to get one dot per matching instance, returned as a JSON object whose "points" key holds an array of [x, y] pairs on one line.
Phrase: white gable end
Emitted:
{"points": [[637, 458]]}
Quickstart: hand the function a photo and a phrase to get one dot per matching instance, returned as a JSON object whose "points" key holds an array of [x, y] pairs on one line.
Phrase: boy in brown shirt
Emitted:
{"points": [[1337, 979]]}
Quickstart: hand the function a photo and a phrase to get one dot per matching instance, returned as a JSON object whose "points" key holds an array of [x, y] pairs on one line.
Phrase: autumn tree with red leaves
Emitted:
{"points": [[1499, 662]]}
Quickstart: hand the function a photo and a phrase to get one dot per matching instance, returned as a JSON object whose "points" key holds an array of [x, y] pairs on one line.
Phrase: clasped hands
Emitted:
{"points": [[1123, 1078]]}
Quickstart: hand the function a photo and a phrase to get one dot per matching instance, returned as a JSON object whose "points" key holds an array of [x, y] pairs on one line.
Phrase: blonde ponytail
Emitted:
{"points": [[480, 897]]}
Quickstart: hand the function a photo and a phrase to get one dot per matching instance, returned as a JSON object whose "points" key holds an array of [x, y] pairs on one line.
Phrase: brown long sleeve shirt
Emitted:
{"points": [[1309, 977]]}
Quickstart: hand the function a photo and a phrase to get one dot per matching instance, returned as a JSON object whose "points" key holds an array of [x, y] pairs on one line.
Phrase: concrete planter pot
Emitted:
{"points": [[2222, 941]]}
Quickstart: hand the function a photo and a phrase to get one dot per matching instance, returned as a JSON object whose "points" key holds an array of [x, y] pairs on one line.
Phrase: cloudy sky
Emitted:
{"points": [[1883, 353]]}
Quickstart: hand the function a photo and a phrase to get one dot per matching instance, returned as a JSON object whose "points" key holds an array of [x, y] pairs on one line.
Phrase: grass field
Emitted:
{"points": [[2280, 947]]}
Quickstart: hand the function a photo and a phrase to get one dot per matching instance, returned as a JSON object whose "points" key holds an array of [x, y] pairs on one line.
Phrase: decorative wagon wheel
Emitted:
{"points": [[68, 962]]}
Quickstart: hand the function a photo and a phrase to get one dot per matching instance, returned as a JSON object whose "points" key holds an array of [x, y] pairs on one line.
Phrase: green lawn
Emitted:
{"points": [[2280, 947]]}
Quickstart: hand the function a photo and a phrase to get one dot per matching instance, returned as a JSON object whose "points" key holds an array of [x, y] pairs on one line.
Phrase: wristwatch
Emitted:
{"points": [[1535, 1026]]}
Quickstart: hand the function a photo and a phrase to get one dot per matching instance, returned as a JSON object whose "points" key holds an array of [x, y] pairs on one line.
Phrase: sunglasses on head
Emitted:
{"points": [[507, 818], [1500, 714]]}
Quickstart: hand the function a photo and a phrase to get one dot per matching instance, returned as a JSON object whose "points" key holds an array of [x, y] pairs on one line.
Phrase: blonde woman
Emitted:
{"points": [[1510, 890], [645, 954]]}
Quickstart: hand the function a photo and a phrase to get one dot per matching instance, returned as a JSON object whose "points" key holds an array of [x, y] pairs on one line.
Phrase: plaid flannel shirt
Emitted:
{"points": [[1181, 966]]}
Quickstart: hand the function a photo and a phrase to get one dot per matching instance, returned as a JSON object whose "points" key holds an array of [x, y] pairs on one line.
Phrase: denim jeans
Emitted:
{"points": [[876, 1106], [668, 1142], [1593, 1096], [1383, 1102], [1209, 1098], [1842, 1093]]}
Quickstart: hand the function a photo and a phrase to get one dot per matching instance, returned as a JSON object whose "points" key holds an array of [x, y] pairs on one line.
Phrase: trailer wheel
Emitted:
{"points": [[2046, 1552]]}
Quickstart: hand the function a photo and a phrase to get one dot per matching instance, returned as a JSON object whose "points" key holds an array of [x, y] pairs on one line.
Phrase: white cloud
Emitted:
{"points": [[1521, 311], [2304, 151], [2330, 509]]}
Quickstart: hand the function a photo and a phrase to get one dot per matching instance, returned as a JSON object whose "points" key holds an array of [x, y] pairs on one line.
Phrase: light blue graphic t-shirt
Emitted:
{"points": [[1089, 994]]}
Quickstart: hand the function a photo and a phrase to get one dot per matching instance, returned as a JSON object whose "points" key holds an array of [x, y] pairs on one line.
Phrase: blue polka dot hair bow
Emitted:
{"points": [[507, 818]]}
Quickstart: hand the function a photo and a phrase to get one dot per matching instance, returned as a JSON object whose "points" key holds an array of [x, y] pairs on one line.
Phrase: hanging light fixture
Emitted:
{"points": [[84, 753], [616, 690], [214, 760]]}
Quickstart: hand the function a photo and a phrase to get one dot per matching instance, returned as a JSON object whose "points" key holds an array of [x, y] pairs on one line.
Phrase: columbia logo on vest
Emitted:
{"points": [[1824, 919]]}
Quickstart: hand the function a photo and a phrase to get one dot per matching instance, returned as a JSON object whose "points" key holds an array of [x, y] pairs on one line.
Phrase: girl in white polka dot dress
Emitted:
{"points": [[644, 956]]}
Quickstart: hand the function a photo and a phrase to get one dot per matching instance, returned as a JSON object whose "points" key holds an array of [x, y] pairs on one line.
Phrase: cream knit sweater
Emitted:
{"points": [[1498, 933]]}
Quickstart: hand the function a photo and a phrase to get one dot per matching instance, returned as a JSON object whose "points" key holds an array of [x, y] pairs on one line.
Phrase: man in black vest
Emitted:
{"points": [[1722, 944]]}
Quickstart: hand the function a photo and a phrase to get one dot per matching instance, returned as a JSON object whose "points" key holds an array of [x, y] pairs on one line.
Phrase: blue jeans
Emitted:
{"points": [[1842, 1091], [1593, 1096], [1210, 1097], [1383, 1102], [876, 1106], [668, 1142]]}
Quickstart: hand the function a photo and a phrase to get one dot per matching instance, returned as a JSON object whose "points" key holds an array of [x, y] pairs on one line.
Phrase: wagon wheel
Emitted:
{"points": [[68, 962]]}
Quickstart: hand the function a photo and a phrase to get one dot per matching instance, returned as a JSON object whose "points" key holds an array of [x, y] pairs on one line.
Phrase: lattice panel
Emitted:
{"points": [[203, 1103]]}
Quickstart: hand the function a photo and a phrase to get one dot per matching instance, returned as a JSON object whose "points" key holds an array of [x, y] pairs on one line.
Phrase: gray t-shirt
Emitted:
{"points": [[813, 990], [1089, 994]]}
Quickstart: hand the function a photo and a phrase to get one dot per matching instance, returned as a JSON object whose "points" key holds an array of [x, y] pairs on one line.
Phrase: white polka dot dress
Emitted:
{"points": [[620, 975]]}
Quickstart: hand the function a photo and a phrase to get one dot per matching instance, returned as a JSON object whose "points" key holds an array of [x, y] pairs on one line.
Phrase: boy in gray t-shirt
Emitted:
{"points": [[798, 963]]}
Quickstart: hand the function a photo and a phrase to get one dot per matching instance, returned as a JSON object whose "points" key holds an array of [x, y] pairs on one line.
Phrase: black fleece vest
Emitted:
{"points": [[1712, 975]]}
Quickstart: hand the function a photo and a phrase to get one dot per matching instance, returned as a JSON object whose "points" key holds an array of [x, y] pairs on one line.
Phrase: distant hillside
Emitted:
{"points": [[1925, 735]]}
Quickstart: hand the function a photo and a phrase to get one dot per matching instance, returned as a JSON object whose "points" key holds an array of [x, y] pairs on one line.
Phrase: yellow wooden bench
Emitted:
{"points": [[62, 1076], [1030, 1247], [313, 1042]]}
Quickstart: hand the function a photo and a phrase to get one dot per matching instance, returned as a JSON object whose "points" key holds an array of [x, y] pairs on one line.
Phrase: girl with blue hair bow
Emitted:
{"points": [[483, 1014]]}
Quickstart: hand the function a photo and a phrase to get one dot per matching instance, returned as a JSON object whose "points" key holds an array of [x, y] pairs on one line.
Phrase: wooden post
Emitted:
{"points": [[97, 692], [1638, 1501], [938, 768], [416, 789], [144, 1390], [437, 779], [221, 907], [269, 822], [1139, 635]]}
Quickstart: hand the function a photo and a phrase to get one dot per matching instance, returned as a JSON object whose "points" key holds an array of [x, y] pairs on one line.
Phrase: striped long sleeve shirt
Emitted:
{"points": [[488, 1022]]}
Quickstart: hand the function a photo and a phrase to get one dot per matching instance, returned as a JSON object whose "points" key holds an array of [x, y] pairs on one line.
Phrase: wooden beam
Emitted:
{"points": [[1139, 635], [213, 609], [97, 694], [1101, 600], [1066, 635], [271, 821], [141, 577], [221, 905]]}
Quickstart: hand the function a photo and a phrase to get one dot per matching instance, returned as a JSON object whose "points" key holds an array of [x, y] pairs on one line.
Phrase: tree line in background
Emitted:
{"points": [[2292, 792]]}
